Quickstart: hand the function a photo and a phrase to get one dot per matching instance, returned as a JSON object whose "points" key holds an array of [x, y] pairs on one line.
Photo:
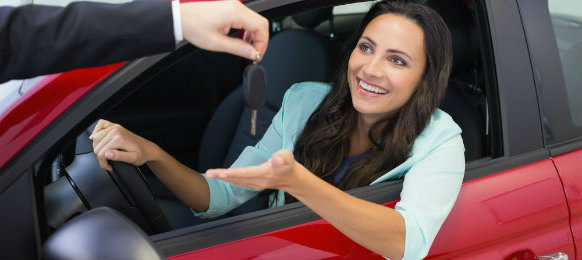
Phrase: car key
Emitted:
{"points": [[254, 85]]}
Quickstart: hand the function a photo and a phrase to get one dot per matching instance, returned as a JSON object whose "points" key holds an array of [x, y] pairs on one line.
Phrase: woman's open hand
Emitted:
{"points": [[279, 172], [113, 142]]}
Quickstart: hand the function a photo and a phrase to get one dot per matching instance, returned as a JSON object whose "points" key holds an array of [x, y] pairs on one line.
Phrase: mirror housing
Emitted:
{"points": [[101, 233]]}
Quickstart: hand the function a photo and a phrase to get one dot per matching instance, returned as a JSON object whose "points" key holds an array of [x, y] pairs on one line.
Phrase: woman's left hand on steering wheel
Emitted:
{"points": [[114, 142]]}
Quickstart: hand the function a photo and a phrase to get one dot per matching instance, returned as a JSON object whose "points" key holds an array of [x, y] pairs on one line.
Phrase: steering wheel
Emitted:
{"points": [[134, 185], [124, 189]]}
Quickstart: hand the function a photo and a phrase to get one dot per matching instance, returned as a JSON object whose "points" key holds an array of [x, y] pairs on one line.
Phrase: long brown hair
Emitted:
{"points": [[325, 141]]}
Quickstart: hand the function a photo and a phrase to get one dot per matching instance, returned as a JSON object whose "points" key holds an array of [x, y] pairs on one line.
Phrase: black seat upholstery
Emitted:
{"points": [[464, 99]]}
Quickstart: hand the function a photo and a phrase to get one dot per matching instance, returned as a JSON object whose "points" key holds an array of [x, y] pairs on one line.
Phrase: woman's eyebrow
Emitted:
{"points": [[399, 52], [370, 40], [389, 50]]}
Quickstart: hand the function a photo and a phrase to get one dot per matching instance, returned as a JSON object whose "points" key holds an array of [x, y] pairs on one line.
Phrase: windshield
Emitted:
{"points": [[12, 90]]}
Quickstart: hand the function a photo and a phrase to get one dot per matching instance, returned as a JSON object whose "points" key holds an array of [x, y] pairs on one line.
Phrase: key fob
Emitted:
{"points": [[254, 85]]}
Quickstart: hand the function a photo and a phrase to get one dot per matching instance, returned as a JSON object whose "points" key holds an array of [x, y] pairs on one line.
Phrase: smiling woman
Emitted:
{"points": [[378, 121]]}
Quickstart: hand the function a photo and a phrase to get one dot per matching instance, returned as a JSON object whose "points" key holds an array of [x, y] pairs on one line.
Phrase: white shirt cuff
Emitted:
{"points": [[177, 21]]}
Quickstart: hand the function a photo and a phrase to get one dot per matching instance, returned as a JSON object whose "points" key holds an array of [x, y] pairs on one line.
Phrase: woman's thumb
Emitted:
{"points": [[282, 158]]}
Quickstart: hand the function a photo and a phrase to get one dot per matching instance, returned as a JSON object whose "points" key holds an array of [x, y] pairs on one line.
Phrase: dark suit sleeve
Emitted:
{"points": [[37, 40]]}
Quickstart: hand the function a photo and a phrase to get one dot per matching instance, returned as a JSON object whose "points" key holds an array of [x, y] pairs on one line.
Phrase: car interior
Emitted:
{"points": [[195, 110]]}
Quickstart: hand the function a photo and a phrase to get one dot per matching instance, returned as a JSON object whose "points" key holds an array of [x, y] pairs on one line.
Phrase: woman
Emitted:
{"points": [[378, 121]]}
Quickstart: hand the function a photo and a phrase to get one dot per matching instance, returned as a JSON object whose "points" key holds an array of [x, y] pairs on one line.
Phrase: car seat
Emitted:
{"points": [[464, 99]]}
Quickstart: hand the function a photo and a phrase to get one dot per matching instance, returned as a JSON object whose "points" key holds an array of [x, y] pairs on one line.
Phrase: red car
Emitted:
{"points": [[515, 90]]}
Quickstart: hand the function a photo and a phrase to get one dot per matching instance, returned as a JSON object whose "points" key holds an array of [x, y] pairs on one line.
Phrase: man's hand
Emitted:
{"points": [[206, 25]]}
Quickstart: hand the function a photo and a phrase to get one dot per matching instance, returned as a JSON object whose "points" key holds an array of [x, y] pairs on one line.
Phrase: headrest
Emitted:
{"points": [[459, 19], [312, 18], [294, 56]]}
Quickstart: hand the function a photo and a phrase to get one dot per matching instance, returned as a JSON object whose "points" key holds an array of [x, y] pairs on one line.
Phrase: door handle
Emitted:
{"points": [[553, 256]]}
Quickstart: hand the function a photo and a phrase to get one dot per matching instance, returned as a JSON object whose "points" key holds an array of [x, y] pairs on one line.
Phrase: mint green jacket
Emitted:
{"points": [[433, 173]]}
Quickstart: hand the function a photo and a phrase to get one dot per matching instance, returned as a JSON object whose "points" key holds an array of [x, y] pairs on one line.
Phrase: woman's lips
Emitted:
{"points": [[370, 90]]}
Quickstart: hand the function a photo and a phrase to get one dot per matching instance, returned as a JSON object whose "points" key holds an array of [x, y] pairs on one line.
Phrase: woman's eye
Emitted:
{"points": [[365, 48], [398, 61]]}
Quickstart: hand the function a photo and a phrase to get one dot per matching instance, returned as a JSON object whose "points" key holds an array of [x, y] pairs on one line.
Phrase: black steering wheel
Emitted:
{"points": [[134, 185], [124, 189]]}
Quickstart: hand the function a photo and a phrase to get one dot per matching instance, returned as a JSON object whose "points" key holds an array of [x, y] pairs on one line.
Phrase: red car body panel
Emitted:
{"points": [[569, 167], [313, 240], [511, 213], [512, 209], [42, 104]]}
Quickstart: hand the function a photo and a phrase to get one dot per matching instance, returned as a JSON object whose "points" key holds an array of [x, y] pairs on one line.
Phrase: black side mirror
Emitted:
{"points": [[100, 233]]}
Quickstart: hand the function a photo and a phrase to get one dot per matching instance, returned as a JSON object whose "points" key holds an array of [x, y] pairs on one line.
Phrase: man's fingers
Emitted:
{"points": [[238, 47], [248, 37], [260, 44], [258, 27]]}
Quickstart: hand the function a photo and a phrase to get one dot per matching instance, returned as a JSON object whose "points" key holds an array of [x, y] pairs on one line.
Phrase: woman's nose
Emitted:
{"points": [[372, 68]]}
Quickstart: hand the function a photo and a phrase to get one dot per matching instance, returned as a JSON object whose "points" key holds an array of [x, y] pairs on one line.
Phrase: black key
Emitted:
{"points": [[254, 86]]}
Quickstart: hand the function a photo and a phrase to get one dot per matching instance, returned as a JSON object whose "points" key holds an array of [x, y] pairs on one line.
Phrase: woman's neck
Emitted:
{"points": [[359, 141]]}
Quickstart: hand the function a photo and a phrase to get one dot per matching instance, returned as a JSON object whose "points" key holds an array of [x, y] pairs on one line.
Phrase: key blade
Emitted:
{"points": [[254, 122]]}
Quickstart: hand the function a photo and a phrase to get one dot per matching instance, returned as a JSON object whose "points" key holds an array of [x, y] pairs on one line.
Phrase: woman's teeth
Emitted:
{"points": [[372, 88]]}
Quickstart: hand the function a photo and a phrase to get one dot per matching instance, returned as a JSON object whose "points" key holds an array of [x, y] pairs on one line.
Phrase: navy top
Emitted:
{"points": [[345, 165]]}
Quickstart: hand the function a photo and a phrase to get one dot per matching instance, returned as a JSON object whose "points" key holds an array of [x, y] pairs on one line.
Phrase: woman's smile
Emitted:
{"points": [[370, 90]]}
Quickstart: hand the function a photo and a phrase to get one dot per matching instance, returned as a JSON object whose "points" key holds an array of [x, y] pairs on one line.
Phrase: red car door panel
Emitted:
{"points": [[570, 169], [508, 213], [313, 240]]}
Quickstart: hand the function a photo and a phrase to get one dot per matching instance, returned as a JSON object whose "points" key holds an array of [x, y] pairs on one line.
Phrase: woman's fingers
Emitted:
{"points": [[97, 136], [104, 164], [101, 124], [273, 174], [104, 140], [116, 155], [113, 142], [254, 177], [250, 172]]}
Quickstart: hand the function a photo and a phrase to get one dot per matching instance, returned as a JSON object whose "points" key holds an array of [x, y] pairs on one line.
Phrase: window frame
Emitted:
{"points": [[560, 134]]}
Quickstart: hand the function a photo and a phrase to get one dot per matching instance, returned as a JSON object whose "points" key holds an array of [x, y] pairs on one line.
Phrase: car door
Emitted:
{"points": [[520, 212], [554, 32]]}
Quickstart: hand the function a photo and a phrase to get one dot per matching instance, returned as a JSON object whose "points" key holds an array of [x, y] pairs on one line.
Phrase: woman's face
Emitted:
{"points": [[386, 66]]}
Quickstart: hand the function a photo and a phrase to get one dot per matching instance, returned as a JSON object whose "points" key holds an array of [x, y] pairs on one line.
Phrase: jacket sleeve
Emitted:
{"points": [[429, 192], [38, 40], [299, 102]]}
